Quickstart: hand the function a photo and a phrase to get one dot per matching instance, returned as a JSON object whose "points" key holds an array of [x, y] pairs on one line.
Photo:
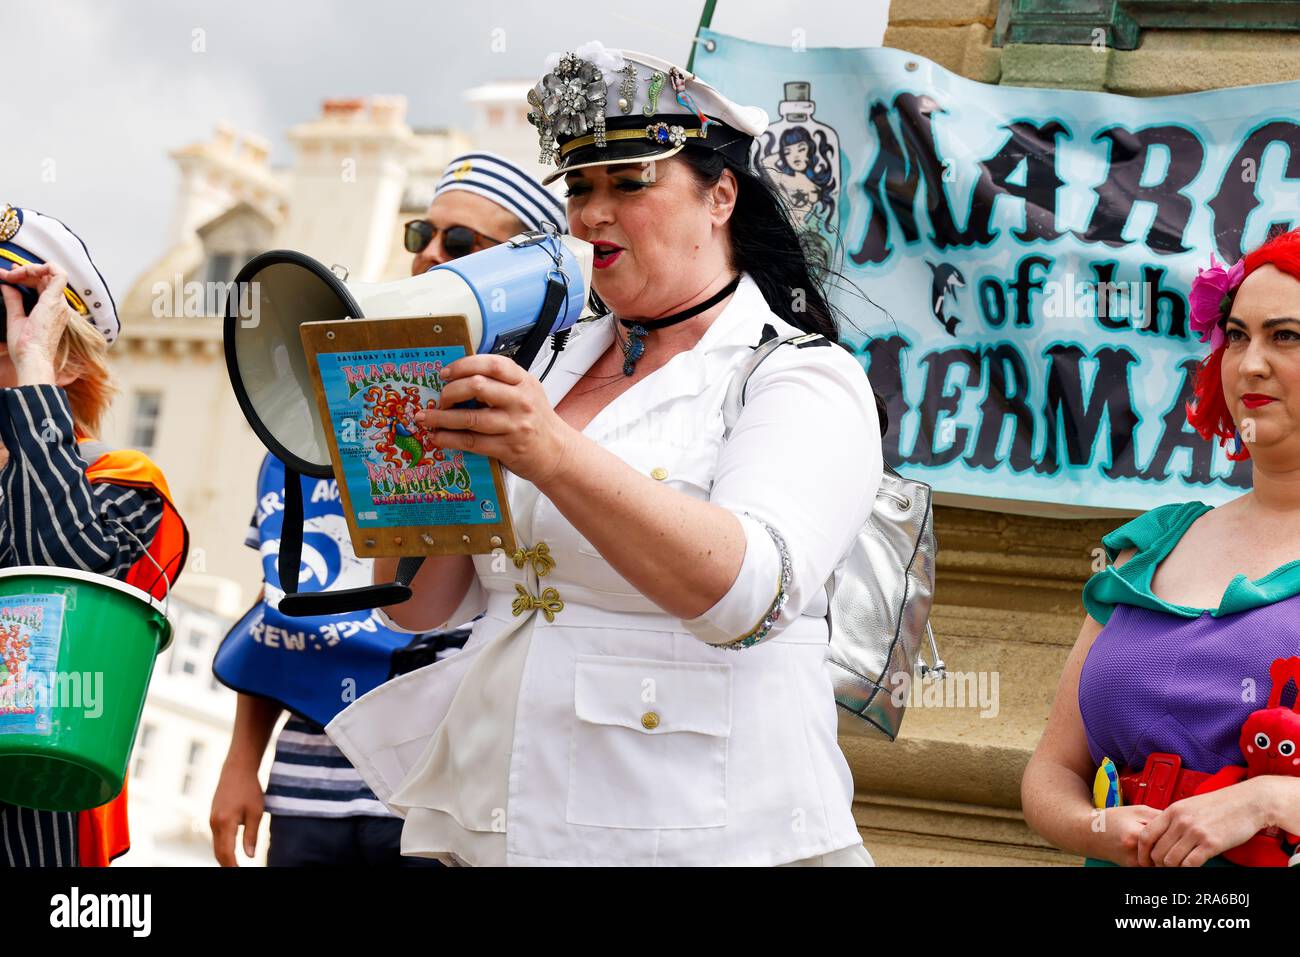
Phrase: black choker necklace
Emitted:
{"points": [[634, 348]]}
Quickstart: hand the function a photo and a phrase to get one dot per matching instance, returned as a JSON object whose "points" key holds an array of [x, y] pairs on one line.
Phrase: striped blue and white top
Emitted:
{"points": [[51, 514], [311, 778]]}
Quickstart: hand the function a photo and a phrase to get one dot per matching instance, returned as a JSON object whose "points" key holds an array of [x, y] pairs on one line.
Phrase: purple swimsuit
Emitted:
{"points": [[1156, 681], [1164, 677]]}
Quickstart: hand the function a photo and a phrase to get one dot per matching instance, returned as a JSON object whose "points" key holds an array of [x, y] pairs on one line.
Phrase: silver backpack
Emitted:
{"points": [[878, 600]]}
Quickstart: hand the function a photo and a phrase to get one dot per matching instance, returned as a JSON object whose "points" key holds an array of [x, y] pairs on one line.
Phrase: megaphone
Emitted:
{"points": [[512, 296]]}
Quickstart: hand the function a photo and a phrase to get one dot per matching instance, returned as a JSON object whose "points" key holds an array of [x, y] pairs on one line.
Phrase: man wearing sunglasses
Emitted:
{"points": [[482, 199]]}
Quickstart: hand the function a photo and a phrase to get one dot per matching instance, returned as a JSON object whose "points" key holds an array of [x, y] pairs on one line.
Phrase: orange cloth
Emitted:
{"points": [[171, 542], [102, 832]]}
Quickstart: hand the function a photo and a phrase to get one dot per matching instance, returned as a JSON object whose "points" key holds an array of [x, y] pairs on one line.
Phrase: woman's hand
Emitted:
{"points": [[33, 340], [1118, 838], [519, 428], [1191, 831]]}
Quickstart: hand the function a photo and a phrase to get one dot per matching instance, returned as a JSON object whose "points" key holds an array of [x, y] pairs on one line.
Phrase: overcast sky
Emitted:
{"points": [[103, 89]]}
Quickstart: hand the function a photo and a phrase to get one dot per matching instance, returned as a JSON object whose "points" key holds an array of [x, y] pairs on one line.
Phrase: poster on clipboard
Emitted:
{"points": [[402, 494]]}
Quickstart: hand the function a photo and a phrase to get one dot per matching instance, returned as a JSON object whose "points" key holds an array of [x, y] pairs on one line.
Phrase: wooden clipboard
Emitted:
{"points": [[369, 375]]}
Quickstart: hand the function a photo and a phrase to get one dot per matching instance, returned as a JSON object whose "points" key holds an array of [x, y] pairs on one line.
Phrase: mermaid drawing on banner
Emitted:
{"points": [[802, 156]]}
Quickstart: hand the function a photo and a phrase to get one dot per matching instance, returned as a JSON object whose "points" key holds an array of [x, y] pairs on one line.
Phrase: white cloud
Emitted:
{"points": [[107, 102]]}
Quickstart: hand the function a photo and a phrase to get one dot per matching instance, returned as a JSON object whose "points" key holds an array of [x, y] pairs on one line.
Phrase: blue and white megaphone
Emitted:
{"points": [[532, 285], [513, 296]]}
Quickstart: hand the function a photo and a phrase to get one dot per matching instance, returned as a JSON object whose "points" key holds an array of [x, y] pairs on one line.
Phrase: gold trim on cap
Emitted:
{"points": [[590, 138], [74, 300]]}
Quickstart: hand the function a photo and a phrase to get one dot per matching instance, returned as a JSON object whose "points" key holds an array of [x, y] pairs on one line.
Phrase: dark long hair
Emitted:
{"points": [[765, 245]]}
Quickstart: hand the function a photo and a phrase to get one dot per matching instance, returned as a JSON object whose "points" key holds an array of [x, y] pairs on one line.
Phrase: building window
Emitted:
{"points": [[221, 267], [142, 746], [195, 642], [224, 266], [191, 646], [192, 766], [144, 420]]}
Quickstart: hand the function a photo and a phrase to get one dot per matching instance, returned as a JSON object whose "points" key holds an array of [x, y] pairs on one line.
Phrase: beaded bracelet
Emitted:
{"points": [[773, 614]]}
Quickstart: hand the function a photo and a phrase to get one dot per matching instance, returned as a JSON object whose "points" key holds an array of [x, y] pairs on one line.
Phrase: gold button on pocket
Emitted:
{"points": [[670, 752], [659, 473]]}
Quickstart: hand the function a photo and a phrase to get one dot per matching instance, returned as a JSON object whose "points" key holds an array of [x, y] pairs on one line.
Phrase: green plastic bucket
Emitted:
{"points": [[76, 653]]}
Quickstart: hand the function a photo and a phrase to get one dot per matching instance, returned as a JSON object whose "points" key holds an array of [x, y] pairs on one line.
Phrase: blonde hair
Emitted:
{"points": [[83, 352]]}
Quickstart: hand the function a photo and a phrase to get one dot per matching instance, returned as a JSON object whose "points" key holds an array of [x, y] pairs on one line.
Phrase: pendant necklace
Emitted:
{"points": [[634, 347]]}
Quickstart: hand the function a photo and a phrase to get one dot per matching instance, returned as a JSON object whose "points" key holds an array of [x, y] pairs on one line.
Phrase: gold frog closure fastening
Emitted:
{"points": [[549, 602], [539, 555]]}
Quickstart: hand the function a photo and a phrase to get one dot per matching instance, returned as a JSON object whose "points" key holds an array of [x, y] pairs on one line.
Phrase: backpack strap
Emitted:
{"points": [[734, 400]]}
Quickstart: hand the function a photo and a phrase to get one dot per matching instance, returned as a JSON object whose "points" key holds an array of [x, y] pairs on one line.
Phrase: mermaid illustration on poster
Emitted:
{"points": [[410, 463], [395, 474], [30, 630], [802, 155], [15, 643]]}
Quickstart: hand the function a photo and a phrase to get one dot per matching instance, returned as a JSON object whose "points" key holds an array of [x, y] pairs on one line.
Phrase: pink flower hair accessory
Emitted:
{"points": [[1211, 297]]}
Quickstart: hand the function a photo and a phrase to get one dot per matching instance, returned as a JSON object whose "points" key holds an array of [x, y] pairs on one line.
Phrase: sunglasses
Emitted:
{"points": [[457, 241]]}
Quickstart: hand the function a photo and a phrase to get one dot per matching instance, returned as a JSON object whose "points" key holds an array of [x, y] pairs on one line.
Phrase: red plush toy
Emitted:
{"points": [[1270, 740]]}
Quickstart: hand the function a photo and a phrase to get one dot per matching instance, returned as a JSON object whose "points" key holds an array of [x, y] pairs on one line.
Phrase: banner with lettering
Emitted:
{"points": [[1030, 252]]}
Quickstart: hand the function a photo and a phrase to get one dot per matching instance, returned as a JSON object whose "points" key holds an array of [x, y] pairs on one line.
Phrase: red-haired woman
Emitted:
{"points": [[1183, 626]]}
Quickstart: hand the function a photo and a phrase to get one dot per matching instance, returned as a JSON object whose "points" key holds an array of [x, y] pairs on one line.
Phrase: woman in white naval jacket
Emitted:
{"points": [[647, 683]]}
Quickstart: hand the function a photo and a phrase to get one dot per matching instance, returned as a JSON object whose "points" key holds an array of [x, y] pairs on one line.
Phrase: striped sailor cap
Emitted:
{"points": [[496, 178], [29, 238]]}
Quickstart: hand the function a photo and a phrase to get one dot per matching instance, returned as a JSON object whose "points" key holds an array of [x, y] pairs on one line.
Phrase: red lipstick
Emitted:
{"points": [[605, 254], [1253, 400]]}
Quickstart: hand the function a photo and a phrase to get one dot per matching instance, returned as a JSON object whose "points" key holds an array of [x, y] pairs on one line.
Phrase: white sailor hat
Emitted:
{"points": [[29, 238], [597, 106], [497, 179]]}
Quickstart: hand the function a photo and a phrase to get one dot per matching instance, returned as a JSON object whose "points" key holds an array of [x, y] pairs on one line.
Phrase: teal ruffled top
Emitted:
{"points": [[1154, 536]]}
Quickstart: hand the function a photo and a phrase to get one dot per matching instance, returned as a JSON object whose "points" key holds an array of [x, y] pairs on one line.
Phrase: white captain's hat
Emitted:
{"points": [[597, 106], [29, 238]]}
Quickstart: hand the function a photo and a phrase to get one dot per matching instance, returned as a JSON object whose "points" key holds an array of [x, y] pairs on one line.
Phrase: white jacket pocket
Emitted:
{"points": [[649, 747]]}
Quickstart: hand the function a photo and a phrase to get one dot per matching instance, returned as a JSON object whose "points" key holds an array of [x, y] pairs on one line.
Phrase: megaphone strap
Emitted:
{"points": [[339, 601], [556, 294], [290, 559]]}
